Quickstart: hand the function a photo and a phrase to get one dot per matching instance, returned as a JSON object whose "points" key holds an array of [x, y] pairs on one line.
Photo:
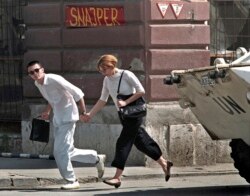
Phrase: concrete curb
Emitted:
{"points": [[35, 173], [133, 177], [29, 182]]}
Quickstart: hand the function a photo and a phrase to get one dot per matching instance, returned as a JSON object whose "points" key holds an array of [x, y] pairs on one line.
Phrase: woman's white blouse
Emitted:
{"points": [[129, 84]]}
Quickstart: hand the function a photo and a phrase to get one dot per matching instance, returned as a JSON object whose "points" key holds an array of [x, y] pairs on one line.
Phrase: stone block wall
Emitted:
{"points": [[10, 143], [182, 138], [174, 42]]}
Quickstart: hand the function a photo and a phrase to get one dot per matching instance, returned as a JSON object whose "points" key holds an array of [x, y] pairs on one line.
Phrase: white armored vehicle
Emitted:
{"points": [[219, 96]]}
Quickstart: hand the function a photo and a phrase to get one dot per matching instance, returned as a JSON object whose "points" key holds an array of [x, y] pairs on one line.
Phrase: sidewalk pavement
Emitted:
{"points": [[17, 172]]}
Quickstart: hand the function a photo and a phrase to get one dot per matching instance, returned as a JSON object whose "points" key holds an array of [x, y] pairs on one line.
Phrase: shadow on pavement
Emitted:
{"points": [[214, 190]]}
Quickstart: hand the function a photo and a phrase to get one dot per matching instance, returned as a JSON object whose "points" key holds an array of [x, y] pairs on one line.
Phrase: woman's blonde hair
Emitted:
{"points": [[107, 60]]}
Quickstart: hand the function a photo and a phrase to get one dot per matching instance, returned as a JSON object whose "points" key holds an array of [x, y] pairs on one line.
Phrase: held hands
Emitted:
{"points": [[85, 117]]}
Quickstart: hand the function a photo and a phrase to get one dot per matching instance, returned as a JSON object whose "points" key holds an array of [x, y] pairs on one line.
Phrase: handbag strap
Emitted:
{"points": [[118, 90]]}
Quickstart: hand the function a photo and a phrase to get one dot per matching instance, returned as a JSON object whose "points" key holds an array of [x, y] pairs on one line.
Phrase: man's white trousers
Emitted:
{"points": [[65, 152]]}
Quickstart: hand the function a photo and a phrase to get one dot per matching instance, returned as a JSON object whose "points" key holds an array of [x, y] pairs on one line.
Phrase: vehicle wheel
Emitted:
{"points": [[241, 156]]}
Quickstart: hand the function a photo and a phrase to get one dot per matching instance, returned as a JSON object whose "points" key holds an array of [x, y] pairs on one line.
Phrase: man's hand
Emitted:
{"points": [[45, 116], [46, 112]]}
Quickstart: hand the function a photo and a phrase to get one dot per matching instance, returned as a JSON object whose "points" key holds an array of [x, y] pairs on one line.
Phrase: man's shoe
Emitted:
{"points": [[100, 165], [71, 185]]}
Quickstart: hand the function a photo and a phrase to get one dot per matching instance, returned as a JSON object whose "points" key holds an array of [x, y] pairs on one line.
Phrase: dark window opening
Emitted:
{"points": [[229, 27], [12, 30]]}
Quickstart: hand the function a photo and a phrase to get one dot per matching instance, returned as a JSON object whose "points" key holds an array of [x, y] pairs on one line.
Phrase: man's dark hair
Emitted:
{"points": [[31, 63]]}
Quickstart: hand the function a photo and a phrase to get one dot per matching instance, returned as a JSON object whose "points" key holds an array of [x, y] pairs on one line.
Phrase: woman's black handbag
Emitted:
{"points": [[39, 130], [135, 109]]}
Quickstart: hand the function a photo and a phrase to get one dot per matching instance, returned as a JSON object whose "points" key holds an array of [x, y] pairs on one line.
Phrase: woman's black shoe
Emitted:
{"points": [[167, 175], [116, 184]]}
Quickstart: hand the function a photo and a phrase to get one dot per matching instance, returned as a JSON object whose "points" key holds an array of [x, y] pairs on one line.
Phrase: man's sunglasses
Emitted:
{"points": [[34, 71]]}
